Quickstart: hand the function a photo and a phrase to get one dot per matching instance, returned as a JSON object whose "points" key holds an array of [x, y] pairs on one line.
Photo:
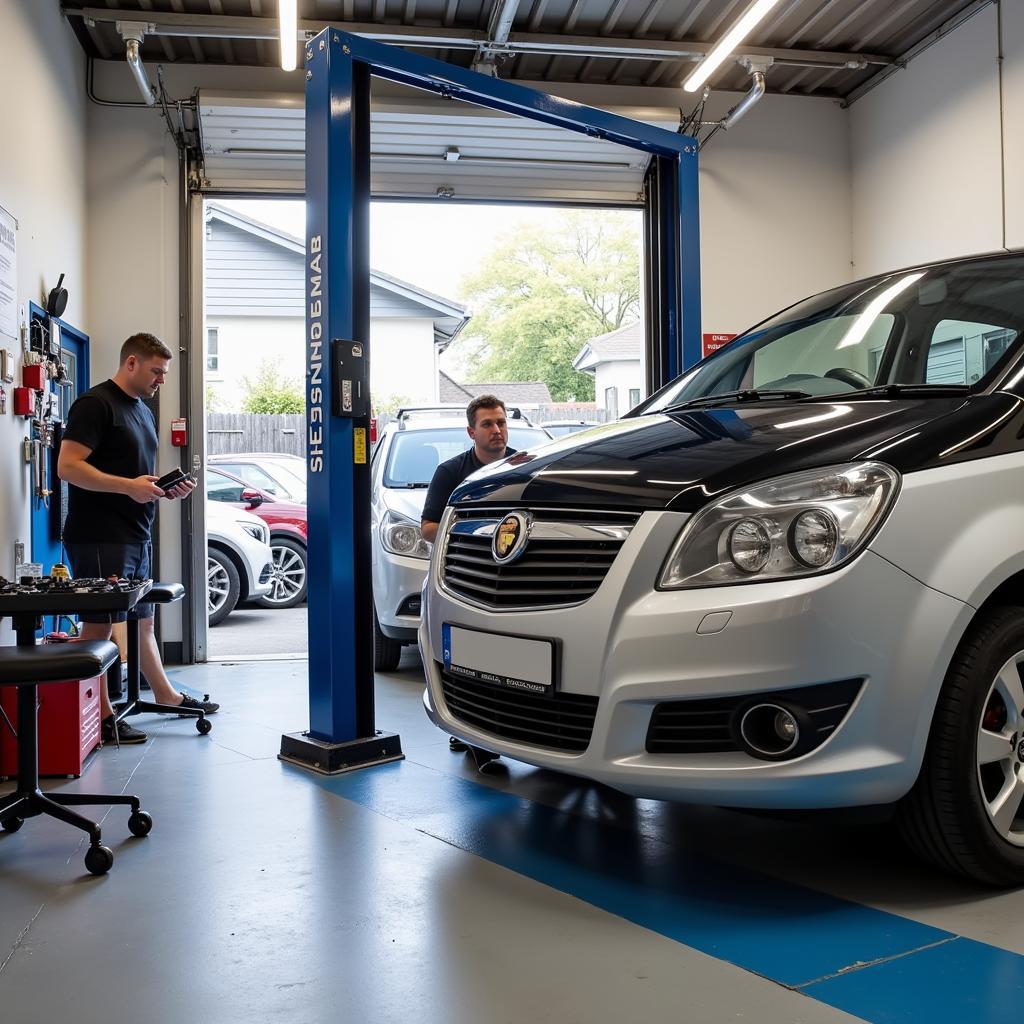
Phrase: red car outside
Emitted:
{"points": [[287, 522]]}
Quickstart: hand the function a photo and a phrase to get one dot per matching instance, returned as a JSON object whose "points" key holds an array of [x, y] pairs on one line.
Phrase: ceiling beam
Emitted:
{"points": [[235, 27]]}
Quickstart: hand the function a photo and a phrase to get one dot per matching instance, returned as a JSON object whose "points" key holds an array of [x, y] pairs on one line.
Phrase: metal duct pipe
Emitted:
{"points": [[756, 92], [133, 32]]}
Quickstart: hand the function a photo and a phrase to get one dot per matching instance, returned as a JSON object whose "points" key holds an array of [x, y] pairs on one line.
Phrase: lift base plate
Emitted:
{"points": [[326, 758]]}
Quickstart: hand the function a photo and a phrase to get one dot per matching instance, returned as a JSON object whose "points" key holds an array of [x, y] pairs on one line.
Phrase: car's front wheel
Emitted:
{"points": [[222, 586], [965, 812], [288, 579], [387, 653]]}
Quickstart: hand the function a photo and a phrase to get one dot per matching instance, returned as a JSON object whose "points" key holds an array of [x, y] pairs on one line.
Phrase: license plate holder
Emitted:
{"points": [[503, 660]]}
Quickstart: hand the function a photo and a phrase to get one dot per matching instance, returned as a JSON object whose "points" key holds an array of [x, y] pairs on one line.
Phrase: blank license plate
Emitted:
{"points": [[514, 662]]}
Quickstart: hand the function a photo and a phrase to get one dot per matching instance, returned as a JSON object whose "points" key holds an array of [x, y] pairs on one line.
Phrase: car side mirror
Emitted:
{"points": [[253, 498]]}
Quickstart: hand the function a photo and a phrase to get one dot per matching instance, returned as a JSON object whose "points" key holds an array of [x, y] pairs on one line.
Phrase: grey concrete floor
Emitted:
{"points": [[251, 631], [262, 896]]}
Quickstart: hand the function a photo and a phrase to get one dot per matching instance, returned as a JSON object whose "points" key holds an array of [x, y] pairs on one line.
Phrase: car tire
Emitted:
{"points": [[223, 586], [290, 580], [387, 653], [964, 813]]}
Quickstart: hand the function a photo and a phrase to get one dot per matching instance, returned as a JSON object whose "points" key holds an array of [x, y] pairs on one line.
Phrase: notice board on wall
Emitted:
{"points": [[713, 342], [8, 274]]}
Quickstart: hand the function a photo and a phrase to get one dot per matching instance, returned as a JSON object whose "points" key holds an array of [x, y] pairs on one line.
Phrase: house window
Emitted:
{"points": [[212, 355], [611, 402], [634, 397]]}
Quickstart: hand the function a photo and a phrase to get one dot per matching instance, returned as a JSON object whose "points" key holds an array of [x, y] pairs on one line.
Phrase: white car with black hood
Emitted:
{"points": [[793, 578]]}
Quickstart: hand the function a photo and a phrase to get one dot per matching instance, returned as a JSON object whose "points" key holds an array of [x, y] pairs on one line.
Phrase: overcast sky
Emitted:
{"points": [[432, 245]]}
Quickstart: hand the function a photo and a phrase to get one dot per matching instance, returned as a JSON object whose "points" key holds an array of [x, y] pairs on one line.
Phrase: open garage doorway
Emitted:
{"points": [[540, 305]]}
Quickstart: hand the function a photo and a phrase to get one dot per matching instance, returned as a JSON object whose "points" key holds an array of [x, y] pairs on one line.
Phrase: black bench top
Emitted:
{"points": [[49, 663]]}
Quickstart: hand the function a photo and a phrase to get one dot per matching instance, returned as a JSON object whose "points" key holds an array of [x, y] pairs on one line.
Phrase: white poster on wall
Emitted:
{"points": [[8, 274]]}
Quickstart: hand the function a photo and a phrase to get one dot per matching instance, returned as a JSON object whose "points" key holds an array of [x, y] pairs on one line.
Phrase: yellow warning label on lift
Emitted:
{"points": [[359, 445]]}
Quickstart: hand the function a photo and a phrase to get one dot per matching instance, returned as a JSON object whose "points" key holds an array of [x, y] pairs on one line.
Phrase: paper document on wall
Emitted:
{"points": [[8, 274]]}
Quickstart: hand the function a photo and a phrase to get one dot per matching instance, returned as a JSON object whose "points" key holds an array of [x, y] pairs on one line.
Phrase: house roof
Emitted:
{"points": [[449, 316], [624, 344], [528, 392]]}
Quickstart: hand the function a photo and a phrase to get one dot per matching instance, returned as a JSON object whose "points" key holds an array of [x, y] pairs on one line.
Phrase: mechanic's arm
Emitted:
{"points": [[438, 493], [72, 467]]}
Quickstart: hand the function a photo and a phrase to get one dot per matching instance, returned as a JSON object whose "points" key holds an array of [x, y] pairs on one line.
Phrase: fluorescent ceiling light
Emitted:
{"points": [[288, 18], [709, 65]]}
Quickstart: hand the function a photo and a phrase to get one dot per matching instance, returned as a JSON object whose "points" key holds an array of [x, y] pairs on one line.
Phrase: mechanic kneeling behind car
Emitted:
{"points": [[792, 578]]}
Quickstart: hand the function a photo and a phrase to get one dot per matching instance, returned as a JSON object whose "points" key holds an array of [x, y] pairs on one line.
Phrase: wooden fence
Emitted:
{"points": [[230, 432]]}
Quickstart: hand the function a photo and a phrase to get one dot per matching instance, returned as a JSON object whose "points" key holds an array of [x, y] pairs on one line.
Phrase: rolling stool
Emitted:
{"points": [[26, 668], [160, 593]]}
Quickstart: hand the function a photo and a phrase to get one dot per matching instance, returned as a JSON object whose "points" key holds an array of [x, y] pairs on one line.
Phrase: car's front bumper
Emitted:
{"points": [[633, 647], [397, 580]]}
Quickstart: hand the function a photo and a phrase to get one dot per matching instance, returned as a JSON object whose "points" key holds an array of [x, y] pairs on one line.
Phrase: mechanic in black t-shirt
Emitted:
{"points": [[107, 457], [488, 427]]}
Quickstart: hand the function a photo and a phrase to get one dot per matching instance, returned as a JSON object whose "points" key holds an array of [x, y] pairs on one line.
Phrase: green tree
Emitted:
{"points": [[271, 393], [541, 294]]}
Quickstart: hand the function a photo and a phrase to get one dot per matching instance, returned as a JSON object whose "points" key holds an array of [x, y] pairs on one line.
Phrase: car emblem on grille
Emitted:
{"points": [[509, 540]]}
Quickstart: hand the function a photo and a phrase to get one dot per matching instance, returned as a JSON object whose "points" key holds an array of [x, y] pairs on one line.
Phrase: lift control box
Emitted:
{"points": [[351, 379]]}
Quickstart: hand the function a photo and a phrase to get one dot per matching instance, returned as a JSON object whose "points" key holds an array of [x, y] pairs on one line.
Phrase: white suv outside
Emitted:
{"points": [[239, 562], [403, 463], [793, 578]]}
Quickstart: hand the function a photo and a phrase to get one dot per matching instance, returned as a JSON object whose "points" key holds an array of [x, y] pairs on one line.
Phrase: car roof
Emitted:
{"points": [[243, 456]]}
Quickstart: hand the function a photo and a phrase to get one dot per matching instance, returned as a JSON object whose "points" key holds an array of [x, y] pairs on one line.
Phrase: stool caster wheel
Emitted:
{"points": [[140, 824], [13, 824], [203, 725], [99, 860]]}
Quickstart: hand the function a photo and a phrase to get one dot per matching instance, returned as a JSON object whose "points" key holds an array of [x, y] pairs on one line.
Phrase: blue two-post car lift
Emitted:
{"points": [[342, 733]]}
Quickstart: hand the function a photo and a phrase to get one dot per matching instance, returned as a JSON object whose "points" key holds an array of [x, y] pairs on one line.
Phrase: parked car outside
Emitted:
{"points": [[400, 472], [283, 476], [792, 578], [288, 544], [562, 428], [238, 560]]}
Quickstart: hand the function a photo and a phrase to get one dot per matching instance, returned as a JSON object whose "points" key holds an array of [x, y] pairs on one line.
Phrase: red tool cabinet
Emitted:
{"points": [[69, 727]]}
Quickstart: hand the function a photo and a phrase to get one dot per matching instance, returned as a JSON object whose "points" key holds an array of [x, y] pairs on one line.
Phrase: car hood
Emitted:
{"points": [[681, 460], [406, 502]]}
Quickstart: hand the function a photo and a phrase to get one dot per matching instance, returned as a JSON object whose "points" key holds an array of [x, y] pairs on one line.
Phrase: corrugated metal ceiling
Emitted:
{"points": [[586, 41]]}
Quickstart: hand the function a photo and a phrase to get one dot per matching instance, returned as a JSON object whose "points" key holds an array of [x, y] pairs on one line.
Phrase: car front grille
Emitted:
{"points": [[561, 721], [710, 726], [566, 557]]}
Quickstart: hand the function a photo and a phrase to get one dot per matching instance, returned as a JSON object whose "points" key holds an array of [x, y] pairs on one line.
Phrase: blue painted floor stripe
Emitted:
{"points": [[876, 965]]}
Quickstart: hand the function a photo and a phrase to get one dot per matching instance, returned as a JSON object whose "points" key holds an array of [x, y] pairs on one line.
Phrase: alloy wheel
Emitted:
{"points": [[288, 575], [1000, 752], [218, 586]]}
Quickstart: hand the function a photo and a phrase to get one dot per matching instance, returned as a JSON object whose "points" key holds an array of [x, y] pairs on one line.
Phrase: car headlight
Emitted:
{"points": [[796, 525], [255, 530], [401, 536]]}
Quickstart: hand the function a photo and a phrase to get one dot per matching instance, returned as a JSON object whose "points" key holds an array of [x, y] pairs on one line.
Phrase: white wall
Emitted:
{"points": [[927, 161], [42, 123], [774, 209], [622, 374]]}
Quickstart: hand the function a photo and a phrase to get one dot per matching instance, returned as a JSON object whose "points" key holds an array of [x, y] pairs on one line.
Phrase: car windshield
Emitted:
{"points": [[415, 454], [291, 475], [932, 329]]}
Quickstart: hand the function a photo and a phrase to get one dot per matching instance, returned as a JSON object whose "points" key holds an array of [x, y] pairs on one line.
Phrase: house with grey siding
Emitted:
{"points": [[255, 316]]}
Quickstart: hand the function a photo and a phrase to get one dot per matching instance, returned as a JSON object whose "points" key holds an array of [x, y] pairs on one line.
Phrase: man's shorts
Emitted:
{"points": [[90, 560]]}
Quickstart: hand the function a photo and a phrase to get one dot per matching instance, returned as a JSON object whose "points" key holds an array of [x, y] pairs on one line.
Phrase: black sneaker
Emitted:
{"points": [[117, 733], [205, 704]]}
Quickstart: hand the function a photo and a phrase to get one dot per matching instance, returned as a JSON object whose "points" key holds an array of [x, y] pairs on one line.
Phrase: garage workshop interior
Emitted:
{"points": [[512, 510]]}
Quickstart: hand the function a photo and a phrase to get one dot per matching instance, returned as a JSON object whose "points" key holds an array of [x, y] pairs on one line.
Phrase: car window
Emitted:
{"points": [[940, 326], [963, 351], [222, 488], [415, 454], [252, 474]]}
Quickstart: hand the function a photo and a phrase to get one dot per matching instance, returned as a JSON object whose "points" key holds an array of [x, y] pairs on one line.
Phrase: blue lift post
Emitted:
{"points": [[342, 733]]}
